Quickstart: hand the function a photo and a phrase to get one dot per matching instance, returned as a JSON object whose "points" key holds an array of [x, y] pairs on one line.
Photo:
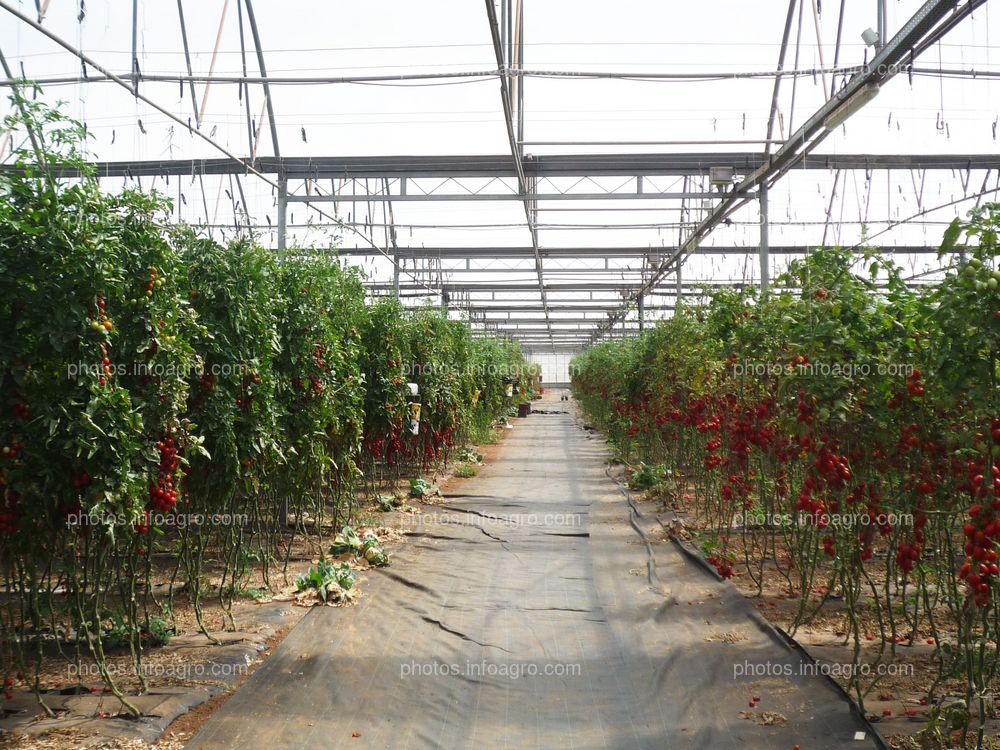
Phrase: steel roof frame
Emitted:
{"points": [[518, 175], [590, 286], [917, 32], [526, 187], [491, 253], [544, 165]]}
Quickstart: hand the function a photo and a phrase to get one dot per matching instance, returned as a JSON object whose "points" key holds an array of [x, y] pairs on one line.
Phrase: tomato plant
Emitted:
{"points": [[80, 418], [385, 340], [162, 392], [845, 434], [321, 383]]}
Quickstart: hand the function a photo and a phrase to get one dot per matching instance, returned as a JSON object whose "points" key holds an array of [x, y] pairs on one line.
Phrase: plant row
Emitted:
{"points": [[840, 432], [162, 392]]}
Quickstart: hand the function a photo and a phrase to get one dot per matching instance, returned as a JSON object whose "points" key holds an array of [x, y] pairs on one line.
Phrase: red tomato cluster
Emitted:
{"points": [[982, 531], [162, 495], [722, 566], [9, 500], [21, 411], [11, 450], [105, 325], [914, 384]]}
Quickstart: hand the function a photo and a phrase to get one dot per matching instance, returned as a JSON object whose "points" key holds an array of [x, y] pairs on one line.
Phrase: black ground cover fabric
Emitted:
{"points": [[535, 609]]}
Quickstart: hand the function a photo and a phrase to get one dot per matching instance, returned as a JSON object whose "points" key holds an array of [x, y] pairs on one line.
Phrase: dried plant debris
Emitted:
{"points": [[765, 718]]}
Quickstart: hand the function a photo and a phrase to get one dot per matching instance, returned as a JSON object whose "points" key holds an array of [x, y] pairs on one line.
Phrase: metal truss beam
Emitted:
{"points": [[542, 337], [584, 286], [520, 75], [526, 337], [764, 239], [553, 165], [537, 328], [754, 171], [493, 253], [889, 60], [187, 61], [244, 167], [573, 302], [610, 273], [500, 286], [263, 75], [583, 307], [425, 197], [557, 323], [524, 185], [568, 346], [575, 344], [549, 272], [538, 325]]}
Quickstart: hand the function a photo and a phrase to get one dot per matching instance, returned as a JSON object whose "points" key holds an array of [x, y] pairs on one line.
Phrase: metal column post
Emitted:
{"points": [[135, 46], [282, 212], [880, 10], [642, 309], [190, 71], [765, 261], [504, 14], [682, 220], [520, 79]]}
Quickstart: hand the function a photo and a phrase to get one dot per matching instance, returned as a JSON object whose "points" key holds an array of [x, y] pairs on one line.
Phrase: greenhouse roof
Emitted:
{"points": [[541, 169]]}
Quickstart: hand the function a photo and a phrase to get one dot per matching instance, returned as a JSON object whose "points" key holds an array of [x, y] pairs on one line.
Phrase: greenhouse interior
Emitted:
{"points": [[500, 374]]}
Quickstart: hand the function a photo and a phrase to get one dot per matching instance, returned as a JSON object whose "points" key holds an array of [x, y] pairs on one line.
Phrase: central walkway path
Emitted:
{"points": [[536, 609]]}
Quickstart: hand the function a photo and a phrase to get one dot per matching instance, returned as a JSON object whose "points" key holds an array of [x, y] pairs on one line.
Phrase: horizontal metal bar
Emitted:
{"points": [[573, 303], [452, 197], [583, 307], [611, 271], [704, 76], [570, 324], [587, 286], [625, 274], [707, 142], [277, 80], [575, 323], [500, 286], [544, 165], [542, 334], [576, 341], [542, 337], [491, 253]]}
